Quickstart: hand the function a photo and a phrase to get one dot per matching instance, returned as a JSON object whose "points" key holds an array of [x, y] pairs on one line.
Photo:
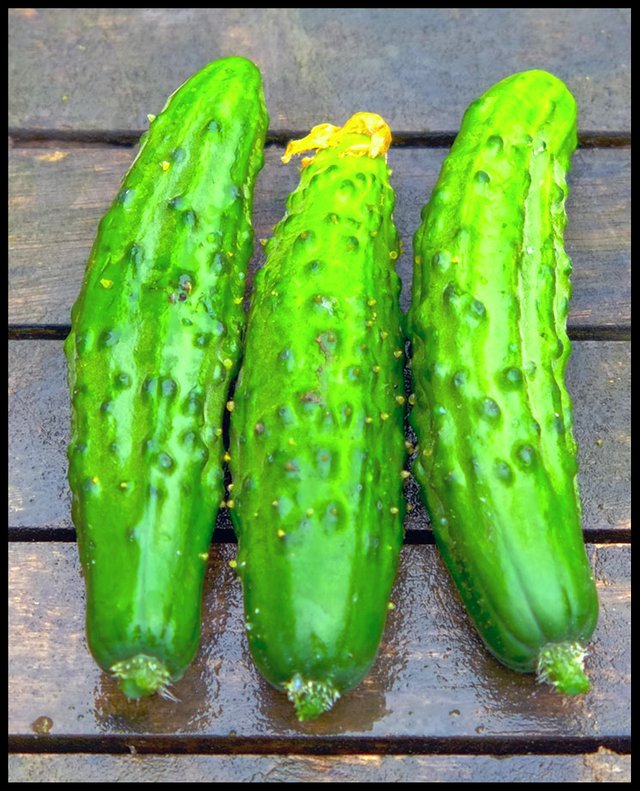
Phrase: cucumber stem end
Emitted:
{"points": [[562, 665], [143, 675], [310, 698]]}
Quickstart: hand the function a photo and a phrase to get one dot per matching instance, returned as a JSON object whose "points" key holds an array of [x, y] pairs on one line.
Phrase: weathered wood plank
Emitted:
{"points": [[57, 196], [434, 687], [106, 68], [598, 378], [601, 766]]}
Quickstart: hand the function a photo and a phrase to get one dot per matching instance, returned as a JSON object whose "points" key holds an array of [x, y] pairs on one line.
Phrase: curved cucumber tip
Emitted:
{"points": [[562, 665], [143, 675], [310, 698]]}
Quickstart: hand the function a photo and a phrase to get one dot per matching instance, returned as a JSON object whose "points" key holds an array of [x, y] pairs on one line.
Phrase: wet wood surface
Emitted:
{"points": [[435, 706], [602, 766], [433, 685]]}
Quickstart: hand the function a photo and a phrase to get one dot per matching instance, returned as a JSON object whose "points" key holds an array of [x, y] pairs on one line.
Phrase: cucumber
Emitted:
{"points": [[316, 433], [155, 341], [497, 459]]}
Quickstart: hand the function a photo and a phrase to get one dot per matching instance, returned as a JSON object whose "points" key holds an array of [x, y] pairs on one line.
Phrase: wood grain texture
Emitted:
{"points": [[433, 687], [57, 196], [106, 68], [600, 766]]}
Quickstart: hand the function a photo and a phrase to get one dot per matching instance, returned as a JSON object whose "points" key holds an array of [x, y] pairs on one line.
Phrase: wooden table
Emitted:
{"points": [[436, 706]]}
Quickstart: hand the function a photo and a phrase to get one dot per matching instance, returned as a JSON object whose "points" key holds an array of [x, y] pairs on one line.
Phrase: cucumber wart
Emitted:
{"points": [[155, 341], [316, 434], [497, 460]]}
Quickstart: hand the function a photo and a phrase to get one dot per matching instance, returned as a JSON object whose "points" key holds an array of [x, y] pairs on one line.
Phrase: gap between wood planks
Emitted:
{"points": [[224, 534], [128, 137], [317, 745], [58, 332]]}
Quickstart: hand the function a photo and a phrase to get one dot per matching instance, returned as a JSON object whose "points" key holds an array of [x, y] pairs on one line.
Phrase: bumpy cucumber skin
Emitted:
{"points": [[316, 435], [497, 460], [154, 344]]}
